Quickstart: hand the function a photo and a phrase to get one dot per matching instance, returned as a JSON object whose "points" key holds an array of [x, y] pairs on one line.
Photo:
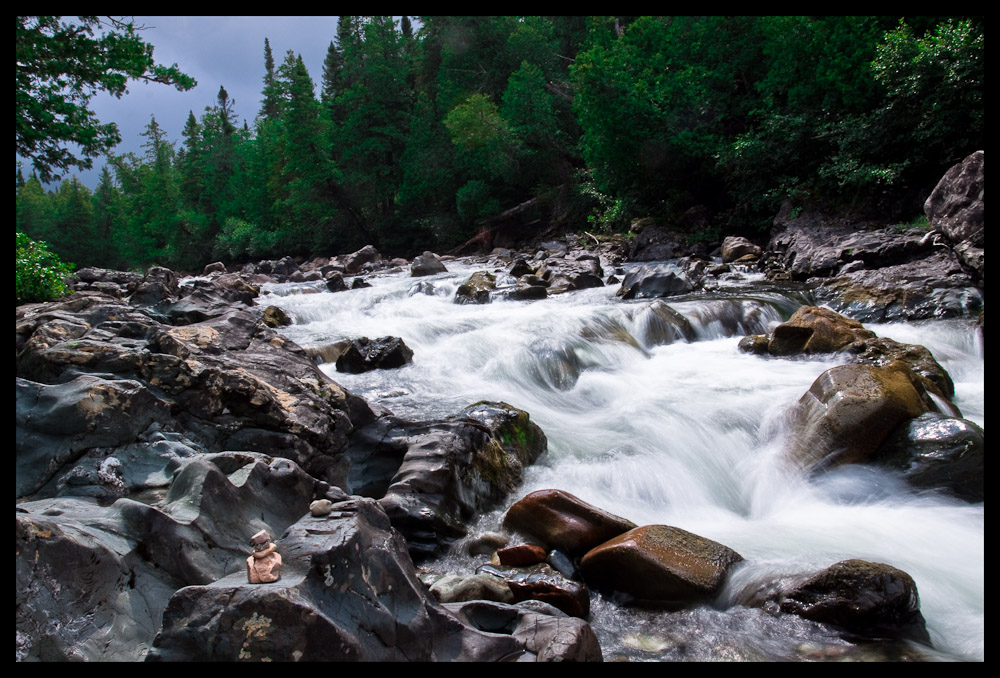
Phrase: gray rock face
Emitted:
{"points": [[874, 273], [93, 580], [957, 207], [445, 472]]}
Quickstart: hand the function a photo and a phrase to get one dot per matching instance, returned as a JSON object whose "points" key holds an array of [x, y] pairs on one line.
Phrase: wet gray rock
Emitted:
{"points": [[382, 353], [957, 207], [540, 633], [938, 452], [865, 599], [432, 477], [427, 263], [568, 273], [661, 280]]}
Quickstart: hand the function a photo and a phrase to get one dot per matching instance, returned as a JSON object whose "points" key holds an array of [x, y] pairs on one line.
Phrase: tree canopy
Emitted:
{"points": [[60, 65], [424, 131]]}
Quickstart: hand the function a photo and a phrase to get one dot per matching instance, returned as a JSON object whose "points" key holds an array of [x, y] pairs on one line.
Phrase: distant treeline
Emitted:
{"points": [[419, 137]]}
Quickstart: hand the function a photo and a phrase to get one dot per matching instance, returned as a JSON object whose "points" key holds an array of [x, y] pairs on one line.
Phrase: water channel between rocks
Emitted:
{"points": [[679, 432]]}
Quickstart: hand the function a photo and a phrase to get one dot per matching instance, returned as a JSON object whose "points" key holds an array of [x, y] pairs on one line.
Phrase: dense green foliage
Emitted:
{"points": [[416, 139], [39, 275]]}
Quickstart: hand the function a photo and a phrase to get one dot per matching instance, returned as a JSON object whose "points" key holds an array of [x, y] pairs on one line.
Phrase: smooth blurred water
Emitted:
{"points": [[662, 429]]}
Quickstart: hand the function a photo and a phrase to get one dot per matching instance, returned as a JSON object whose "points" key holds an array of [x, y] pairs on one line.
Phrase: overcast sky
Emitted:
{"points": [[216, 51]]}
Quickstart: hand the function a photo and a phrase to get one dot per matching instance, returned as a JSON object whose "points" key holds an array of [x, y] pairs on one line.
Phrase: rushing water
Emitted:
{"points": [[682, 431]]}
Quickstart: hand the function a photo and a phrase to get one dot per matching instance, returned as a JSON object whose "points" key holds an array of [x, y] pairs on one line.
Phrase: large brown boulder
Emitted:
{"points": [[735, 247], [661, 565], [849, 411], [562, 521], [883, 351], [477, 288], [810, 330]]}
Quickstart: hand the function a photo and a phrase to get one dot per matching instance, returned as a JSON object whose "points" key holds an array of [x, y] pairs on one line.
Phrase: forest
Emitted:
{"points": [[415, 139]]}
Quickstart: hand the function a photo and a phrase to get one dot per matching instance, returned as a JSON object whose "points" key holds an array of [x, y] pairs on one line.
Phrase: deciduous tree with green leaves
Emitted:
{"points": [[60, 66]]}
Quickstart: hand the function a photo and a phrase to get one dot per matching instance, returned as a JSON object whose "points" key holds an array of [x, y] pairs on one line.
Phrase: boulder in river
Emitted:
{"points": [[364, 354], [650, 281], [427, 263], [560, 520], [433, 477], [659, 565], [477, 288], [866, 599], [938, 452], [849, 411], [810, 330]]}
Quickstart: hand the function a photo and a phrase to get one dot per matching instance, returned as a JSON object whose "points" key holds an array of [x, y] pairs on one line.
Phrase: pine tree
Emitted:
{"points": [[271, 102]]}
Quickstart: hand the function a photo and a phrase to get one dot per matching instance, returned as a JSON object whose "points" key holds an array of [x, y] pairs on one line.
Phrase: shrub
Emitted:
{"points": [[40, 275]]}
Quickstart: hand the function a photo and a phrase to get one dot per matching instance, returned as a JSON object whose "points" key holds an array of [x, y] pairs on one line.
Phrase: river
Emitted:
{"points": [[683, 431]]}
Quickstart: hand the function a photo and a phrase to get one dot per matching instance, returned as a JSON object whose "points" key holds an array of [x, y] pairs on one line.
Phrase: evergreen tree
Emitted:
{"points": [[107, 212], [34, 210], [271, 102], [373, 111], [74, 230]]}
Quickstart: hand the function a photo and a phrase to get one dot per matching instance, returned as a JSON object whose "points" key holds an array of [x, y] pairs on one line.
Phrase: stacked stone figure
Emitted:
{"points": [[264, 565]]}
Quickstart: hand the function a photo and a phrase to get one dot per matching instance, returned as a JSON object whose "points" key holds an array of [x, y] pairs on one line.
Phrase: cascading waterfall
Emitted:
{"points": [[653, 414]]}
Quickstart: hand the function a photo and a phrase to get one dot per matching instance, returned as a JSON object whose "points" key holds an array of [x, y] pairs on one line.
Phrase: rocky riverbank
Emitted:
{"points": [[162, 421]]}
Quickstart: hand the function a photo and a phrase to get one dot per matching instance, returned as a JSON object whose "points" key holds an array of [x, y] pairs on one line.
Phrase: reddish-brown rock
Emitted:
{"points": [[521, 554], [660, 564], [562, 521]]}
